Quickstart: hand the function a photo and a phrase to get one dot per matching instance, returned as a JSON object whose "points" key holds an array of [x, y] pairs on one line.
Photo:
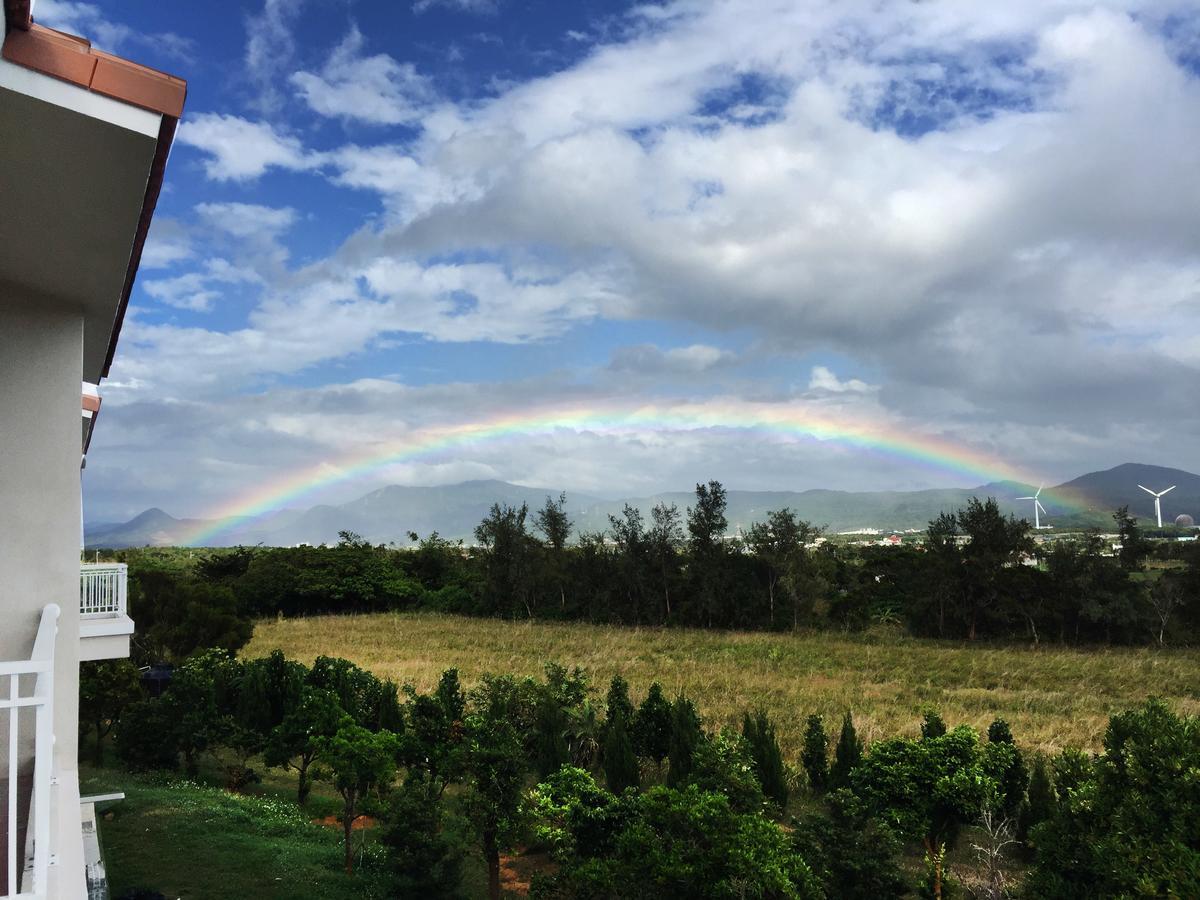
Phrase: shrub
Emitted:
{"points": [[1040, 803], [1126, 826], [424, 861], [722, 765], [620, 763], [1014, 778], [855, 856], [814, 755], [932, 725], [144, 737], [759, 734], [685, 737], [652, 726], [847, 755]]}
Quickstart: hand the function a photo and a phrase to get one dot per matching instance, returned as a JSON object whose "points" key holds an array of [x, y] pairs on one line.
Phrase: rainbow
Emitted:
{"points": [[796, 423]]}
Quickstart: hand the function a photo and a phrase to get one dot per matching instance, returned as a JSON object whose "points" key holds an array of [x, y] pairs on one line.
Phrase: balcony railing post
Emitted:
{"points": [[103, 589]]}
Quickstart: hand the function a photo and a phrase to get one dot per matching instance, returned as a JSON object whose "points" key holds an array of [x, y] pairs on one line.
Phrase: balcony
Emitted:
{"points": [[27, 695], [104, 623]]}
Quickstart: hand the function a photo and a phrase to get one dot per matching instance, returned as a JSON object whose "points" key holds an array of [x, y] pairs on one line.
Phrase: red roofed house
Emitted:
{"points": [[84, 138]]}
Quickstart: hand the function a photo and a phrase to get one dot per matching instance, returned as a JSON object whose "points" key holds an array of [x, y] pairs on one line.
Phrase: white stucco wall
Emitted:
{"points": [[40, 368]]}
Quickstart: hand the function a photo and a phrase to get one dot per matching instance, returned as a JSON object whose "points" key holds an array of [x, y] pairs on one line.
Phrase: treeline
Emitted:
{"points": [[640, 800], [976, 574]]}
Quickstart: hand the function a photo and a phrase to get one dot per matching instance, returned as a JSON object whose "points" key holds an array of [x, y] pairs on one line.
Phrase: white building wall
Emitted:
{"points": [[41, 352]]}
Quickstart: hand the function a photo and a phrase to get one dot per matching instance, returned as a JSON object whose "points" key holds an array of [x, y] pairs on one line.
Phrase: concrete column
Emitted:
{"points": [[41, 360]]}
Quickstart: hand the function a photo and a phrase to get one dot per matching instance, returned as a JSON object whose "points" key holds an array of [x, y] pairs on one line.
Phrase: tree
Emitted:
{"points": [[1134, 546], [1040, 803], [779, 546], [425, 862], [629, 535], [106, 688], [1015, 776], [295, 742], [620, 763], [617, 702], [652, 725], [665, 843], [759, 734], [996, 545], [555, 525], [847, 755], [685, 737], [706, 525], [815, 753], [496, 765], [508, 559], [1126, 826], [663, 540], [356, 762], [551, 752], [932, 725], [853, 854]]}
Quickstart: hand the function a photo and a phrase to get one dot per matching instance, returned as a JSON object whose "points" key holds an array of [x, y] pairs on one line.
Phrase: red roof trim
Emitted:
{"points": [[72, 59]]}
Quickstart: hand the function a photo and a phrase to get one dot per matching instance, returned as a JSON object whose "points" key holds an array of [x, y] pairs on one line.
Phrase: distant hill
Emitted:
{"points": [[388, 514]]}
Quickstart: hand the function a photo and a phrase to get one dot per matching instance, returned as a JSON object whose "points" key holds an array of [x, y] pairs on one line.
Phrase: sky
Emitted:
{"points": [[971, 223]]}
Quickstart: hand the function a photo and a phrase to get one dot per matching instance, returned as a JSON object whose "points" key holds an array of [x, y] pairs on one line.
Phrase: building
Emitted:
{"points": [[84, 139]]}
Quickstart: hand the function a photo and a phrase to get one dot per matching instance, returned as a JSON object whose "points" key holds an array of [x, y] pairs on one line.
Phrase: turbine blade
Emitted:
{"points": [[1039, 506], [1148, 491], [1168, 490], [1039, 490], [1026, 498]]}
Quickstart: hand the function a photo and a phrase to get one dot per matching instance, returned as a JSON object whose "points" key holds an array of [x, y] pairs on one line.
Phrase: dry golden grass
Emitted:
{"points": [[1053, 698]]}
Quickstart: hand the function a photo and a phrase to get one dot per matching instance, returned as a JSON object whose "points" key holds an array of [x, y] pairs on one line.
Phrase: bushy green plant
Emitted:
{"points": [[685, 737], [853, 854], [620, 762], [689, 843], [652, 725], [759, 735], [424, 861], [932, 725], [1014, 778], [847, 755], [1126, 826], [722, 764], [814, 755], [1040, 802]]}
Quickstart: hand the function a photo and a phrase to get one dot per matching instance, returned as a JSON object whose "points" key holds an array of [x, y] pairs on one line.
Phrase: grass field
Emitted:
{"points": [[1052, 697]]}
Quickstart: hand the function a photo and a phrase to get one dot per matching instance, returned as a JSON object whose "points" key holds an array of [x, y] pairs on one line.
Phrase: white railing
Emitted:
{"points": [[30, 687], [103, 589]]}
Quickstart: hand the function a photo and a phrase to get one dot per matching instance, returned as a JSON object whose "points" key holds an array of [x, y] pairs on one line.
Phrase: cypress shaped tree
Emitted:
{"points": [[1041, 802], [620, 762], [685, 737], [847, 755], [617, 702], [551, 751], [932, 725], [766, 755], [1015, 777], [652, 726], [815, 754]]}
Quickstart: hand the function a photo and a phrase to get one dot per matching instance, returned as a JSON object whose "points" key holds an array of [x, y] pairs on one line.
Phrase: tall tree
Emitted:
{"points": [[629, 534], [555, 525], [106, 688], [357, 762], [706, 524], [505, 541], [997, 543], [664, 540]]}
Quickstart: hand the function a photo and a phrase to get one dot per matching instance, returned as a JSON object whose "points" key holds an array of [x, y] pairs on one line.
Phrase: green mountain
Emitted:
{"points": [[389, 514]]}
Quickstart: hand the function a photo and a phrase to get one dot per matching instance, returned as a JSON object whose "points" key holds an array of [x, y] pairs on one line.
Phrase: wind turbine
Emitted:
{"points": [[1038, 509], [1158, 501]]}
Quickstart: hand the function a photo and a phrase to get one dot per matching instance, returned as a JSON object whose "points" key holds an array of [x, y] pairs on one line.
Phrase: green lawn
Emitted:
{"points": [[190, 840]]}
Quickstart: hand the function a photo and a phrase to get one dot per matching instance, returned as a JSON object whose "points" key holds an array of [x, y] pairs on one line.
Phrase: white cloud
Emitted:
{"points": [[647, 359], [88, 21], [822, 379], [375, 89], [270, 48], [240, 150], [247, 220]]}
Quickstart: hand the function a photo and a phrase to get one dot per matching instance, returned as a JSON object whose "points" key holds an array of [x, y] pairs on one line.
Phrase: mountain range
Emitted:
{"points": [[388, 515]]}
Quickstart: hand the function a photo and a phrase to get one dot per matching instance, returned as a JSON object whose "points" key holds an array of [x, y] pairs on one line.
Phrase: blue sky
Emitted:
{"points": [[980, 223]]}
